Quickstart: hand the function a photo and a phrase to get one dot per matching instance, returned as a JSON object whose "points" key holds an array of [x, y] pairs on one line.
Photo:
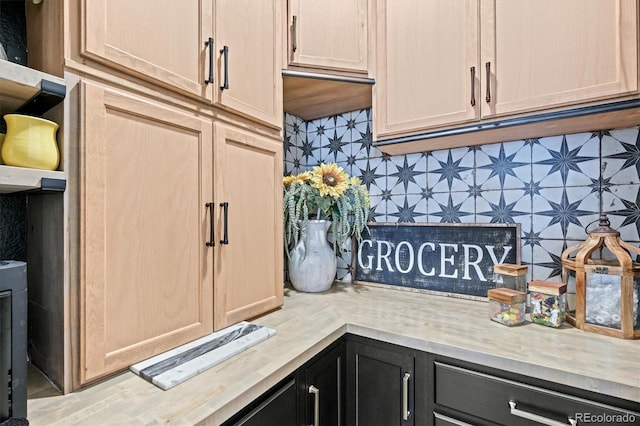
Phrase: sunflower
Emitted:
{"points": [[302, 177], [330, 179]]}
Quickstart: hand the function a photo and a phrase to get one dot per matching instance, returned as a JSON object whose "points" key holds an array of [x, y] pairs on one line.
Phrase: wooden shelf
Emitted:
{"points": [[18, 179], [310, 96], [28, 91]]}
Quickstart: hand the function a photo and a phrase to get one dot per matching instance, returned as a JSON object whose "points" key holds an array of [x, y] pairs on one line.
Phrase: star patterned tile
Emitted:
{"points": [[450, 170], [503, 166], [554, 187], [408, 173], [622, 206], [567, 160]]}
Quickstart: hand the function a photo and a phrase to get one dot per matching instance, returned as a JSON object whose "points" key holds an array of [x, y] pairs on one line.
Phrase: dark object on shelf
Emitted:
{"points": [[13, 339], [13, 30]]}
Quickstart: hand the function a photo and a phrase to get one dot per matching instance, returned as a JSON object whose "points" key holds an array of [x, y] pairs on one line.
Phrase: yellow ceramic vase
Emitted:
{"points": [[30, 142], [1, 141]]}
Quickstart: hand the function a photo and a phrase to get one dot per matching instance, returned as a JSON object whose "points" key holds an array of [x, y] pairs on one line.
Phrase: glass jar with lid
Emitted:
{"points": [[507, 306], [507, 275], [548, 300]]}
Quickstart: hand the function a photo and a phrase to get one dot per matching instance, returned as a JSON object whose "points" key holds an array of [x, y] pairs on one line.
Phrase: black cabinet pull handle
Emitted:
{"points": [[488, 68], [211, 241], [225, 54], [209, 43], [294, 37], [473, 86], [225, 237]]}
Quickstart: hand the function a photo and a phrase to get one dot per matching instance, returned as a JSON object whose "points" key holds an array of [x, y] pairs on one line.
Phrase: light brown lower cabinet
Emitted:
{"points": [[248, 256], [151, 192]]}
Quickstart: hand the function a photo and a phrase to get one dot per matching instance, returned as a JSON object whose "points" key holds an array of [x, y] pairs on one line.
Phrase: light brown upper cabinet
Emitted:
{"points": [[427, 65], [248, 58], [248, 229], [158, 40], [328, 34], [222, 51], [146, 273], [550, 53], [442, 64]]}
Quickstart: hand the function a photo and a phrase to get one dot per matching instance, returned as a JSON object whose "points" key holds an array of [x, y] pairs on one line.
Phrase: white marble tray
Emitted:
{"points": [[182, 363]]}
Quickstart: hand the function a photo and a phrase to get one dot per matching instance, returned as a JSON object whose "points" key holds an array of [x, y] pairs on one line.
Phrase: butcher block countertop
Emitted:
{"points": [[307, 323]]}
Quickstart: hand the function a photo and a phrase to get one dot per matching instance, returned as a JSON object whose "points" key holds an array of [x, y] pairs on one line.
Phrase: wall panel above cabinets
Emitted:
{"points": [[146, 275]]}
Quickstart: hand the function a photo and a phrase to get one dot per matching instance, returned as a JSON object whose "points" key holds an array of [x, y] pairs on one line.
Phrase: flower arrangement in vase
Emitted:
{"points": [[326, 193]]}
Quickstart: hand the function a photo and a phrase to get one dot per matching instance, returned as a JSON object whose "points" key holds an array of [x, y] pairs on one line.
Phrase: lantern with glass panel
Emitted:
{"points": [[603, 284]]}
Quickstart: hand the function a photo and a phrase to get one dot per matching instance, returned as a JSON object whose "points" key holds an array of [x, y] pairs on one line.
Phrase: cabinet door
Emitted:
{"points": [[550, 53], [427, 59], [250, 72], [323, 383], [146, 275], [248, 193], [331, 34], [380, 386], [158, 40]]}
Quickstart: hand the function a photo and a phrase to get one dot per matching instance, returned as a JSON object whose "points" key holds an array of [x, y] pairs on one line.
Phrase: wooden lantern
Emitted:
{"points": [[606, 282]]}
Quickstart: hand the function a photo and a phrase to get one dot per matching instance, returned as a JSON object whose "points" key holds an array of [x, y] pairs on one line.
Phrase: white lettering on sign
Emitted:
{"points": [[404, 259]]}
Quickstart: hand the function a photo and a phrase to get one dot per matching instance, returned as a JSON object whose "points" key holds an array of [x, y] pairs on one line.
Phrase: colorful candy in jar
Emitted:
{"points": [[547, 302], [507, 306]]}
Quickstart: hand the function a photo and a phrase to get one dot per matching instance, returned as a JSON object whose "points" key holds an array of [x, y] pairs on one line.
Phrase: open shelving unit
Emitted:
{"points": [[27, 91]]}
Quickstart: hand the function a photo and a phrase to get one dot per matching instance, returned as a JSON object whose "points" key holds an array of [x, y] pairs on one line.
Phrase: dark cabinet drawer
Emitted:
{"points": [[442, 420], [500, 401], [276, 408]]}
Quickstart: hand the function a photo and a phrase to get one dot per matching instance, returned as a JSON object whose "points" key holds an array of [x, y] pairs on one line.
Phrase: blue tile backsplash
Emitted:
{"points": [[553, 186]]}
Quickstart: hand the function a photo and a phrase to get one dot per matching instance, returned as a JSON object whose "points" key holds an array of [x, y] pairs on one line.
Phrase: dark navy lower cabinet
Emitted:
{"points": [[321, 388], [464, 393], [383, 384], [358, 381]]}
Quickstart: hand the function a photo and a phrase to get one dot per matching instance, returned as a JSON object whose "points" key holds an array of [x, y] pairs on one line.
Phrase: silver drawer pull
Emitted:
{"points": [[536, 418], [316, 404], [405, 396]]}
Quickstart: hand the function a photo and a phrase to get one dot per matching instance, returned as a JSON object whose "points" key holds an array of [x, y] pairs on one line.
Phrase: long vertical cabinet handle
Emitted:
{"points": [[488, 70], [211, 241], [405, 397], [225, 54], [294, 34], [316, 404], [473, 86], [225, 236], [209, 44]]}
